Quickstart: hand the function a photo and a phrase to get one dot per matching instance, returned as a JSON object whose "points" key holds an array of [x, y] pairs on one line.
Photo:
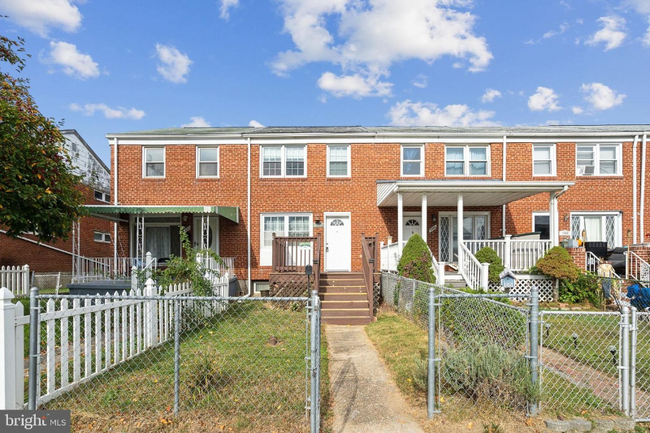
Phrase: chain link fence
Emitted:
{"points": [[140, 363], [51, 280]]}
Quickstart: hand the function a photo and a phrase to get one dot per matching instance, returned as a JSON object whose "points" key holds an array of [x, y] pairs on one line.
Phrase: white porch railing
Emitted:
{"points": [[636, 267], [517, 255], [474, 273], [15, 279], [225, 268], [104, 268], [390, 256]]}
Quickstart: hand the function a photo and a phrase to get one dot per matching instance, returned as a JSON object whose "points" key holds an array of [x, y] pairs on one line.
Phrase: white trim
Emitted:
{"points": [[421, 160], [347, 215], [553, 157], [597, 159], [466, 160], [264, 283], [348, 156], [199, 162], [103, 235], [442, 214], [283, 161], [265, 252], [144, 162], [618, 223]]}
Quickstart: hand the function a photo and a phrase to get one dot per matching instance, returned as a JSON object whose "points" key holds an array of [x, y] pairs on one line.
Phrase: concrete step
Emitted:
{"points": [[343, 296], [345, 312], [356, 304], [346, 320]]}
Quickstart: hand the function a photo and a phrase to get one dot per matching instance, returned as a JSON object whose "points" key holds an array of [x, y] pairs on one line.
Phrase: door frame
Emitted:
{"points": [[452, 214], [196, 231], [407, 215], [327, 215]]}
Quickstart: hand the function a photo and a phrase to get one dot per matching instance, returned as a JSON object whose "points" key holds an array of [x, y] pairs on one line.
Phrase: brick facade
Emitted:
{"points": [[371, 161]]}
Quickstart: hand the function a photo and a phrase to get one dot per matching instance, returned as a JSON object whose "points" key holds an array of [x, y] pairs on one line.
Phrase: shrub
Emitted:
{"points": [[488, 255], [558, 263], [416, 261], [585, 288]]}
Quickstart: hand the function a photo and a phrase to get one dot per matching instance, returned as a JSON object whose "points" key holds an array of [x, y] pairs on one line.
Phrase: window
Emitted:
{"points": [[207, 162], [466, 161], [412, 161], [543, 160], [298, 225], [261, 285], [338, 161], [541, 224], [598, 159], [154, 161], [283, 161], [102, 237], [597, 227], [102, 196]]}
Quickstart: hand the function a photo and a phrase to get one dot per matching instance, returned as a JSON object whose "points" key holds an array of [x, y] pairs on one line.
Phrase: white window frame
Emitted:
{"points": [[144, 162], [466, 160], [618, 217], [258, 286], [283, 160], [597, 159], [103, 196], [265, 251], [535, 214], [105, 237], [199, 162], [421, 160], [348, 160], [552, 160]]}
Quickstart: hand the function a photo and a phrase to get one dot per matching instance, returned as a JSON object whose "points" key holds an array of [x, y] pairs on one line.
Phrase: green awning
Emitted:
{"points": [[230, 212]]}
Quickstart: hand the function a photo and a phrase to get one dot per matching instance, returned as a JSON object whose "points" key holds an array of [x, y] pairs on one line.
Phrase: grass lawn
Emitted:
{"points": [[242, 370]]}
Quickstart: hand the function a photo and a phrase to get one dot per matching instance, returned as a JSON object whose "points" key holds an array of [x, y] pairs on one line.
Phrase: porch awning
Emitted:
{"points": [[109, 212], [475, 192]]}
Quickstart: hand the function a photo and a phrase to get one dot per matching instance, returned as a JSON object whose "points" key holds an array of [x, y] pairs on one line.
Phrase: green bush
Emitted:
{"points": [[488, 255], [585, 288], [558, 263], [416, 261]]}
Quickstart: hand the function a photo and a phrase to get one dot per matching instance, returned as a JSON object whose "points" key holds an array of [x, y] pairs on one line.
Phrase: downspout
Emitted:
{"points": [[642, 210], [555, 241], [248, 220], [635, 220], [503, 209], [115, 171]]}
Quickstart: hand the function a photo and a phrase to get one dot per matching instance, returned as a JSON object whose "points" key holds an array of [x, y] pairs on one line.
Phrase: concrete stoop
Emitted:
{"points": [[595, 426]]}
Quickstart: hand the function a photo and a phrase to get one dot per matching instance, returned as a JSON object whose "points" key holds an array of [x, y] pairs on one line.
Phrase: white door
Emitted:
{"points": [[412, 225], [337, 243]]}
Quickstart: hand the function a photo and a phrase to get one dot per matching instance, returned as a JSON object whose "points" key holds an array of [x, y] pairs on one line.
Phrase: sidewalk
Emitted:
{"points": [[365, 399]]}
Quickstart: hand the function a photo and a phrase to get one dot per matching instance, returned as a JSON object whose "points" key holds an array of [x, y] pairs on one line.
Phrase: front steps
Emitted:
{"points": [[454, 280], [344, 299]]}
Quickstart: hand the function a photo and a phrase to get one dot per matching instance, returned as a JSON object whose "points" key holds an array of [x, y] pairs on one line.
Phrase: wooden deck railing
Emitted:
{"points": [[369, 256], [291, 254]]}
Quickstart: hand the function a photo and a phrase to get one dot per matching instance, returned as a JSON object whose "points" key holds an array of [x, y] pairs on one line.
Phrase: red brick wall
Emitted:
{"points": [[579, 256], [40, 258]]}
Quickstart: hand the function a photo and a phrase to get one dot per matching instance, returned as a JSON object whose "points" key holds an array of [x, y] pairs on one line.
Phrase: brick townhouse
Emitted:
{"points": [[94, 237], [232, 188]]}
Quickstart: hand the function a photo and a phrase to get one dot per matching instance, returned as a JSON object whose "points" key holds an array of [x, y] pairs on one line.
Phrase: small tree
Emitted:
{"points": [[488, 255], [558, 263], [416, 261]]}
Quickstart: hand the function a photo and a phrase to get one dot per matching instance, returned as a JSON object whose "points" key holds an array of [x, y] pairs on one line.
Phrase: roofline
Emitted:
{"points": [[451, 185], [74, 131]]}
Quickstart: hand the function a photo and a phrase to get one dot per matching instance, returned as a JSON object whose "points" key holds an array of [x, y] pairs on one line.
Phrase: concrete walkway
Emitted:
{"points": [[365, 399]]}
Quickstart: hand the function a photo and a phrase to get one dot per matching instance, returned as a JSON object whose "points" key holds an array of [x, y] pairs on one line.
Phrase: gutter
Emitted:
{"points": [[635, 220], [504, 153], [248, 222], [642, 210], [116, 171]]}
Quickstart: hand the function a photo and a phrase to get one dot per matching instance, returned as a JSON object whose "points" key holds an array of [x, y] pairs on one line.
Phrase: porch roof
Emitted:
{"points": [[229, 212], [475, 192]]}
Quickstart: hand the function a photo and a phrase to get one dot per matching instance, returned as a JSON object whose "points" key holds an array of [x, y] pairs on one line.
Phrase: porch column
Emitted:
{"points": [[139, 238], [424, 218], [205, 231], [400, 222], [553, 220], [459, 229]]}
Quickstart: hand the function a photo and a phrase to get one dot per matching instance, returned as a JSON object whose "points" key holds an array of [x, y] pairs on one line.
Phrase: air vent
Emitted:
{"points": [[588, 170]]}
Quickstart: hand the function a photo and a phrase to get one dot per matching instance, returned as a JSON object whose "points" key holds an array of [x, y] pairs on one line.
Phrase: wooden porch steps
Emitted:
{"points": [[344, 299]]}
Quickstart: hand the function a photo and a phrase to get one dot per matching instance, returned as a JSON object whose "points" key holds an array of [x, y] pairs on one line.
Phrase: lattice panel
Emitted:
{"points": [[289, 285], [523, 285]]}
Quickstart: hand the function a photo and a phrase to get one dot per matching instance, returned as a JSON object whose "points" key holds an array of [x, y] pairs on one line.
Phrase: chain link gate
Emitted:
{"points": [[133, 361]]}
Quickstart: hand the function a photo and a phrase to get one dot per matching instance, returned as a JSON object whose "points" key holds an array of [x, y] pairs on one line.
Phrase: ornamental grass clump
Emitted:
{"points": [[488, 255], [416, 261]]}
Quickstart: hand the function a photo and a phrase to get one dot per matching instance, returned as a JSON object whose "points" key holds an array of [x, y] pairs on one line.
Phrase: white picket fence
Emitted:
{"points": [[15, 278]]}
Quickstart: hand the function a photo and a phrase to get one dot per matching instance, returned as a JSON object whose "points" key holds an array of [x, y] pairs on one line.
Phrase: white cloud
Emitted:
{"points": [[646, 38], [226, 5], [612, 33], [490, 95], [407, 113], [74, 63], [322, 98], [421, 81], [544, 100], [366, 37], [174, 65], [39, 16], [355, 85], [640, 6], [577, 110], [551, 33], [109, 113], [196, 122], [255, 124], [601, 97]]}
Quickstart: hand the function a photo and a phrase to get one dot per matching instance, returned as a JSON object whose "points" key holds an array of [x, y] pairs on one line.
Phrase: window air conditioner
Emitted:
{"points": [[588, 170]]}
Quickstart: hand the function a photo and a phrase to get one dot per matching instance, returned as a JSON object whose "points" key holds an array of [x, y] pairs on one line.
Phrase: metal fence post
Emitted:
{"points": [[633, 347], [32, 403], [313, 404], [534, 344], [431, 367], [625, 360], [177, 354]]}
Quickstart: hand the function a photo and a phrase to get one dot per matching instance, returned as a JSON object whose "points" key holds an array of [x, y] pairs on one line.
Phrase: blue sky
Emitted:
{"points": [[118, 66]]}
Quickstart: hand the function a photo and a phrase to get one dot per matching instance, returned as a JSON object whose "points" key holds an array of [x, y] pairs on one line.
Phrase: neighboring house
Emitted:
{"points": [[245, 184], [95, 236]]}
